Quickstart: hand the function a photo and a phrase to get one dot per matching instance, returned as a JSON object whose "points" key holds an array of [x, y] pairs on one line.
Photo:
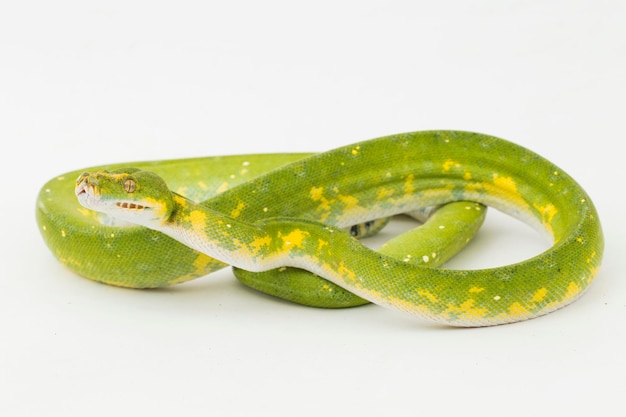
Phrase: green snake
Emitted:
{"points": [[274, 217]]}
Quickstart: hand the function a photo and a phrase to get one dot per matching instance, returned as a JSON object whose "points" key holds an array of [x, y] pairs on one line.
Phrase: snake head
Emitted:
{"points": [[129, 194]]}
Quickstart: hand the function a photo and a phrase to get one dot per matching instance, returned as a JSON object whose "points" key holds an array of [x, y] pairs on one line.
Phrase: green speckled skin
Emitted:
{"points": [[250, 226], [424, 245]]}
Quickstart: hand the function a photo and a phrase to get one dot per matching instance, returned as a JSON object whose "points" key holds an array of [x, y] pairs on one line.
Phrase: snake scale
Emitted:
{"points": [[285, 220]]}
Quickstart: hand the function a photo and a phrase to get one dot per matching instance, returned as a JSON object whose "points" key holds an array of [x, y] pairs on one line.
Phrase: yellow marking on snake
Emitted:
{"points": [[517, 310], [260, 242], [539, 295], [198, 220], [547, 213], [508, 186], [432, 297], [316, 193], [350, 202], [408, 186], [180, 200], [467, 310], [237, 211], [345, 272], [573, 290], [449, 164], [384, 194], [295, 238]]}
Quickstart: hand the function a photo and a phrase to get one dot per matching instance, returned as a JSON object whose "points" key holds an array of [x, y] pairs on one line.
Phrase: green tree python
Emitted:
{"points": [[284, 222]]}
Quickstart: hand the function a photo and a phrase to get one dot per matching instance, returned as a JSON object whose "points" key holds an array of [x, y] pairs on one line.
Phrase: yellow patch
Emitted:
{"points": [[449, 164], [326, 205], [346, 273], [425, 293], [572, 291], [260, 242], [201, 263], [408, 187], [476, 290], [384, 194], [316, 193], [466, 310], [198, 221], [294, 239], [539, 295], [180, 200], [506, 183], [547, 213], [475, 187], [517, 310], [442, 193], [350, 202], [237, 211], [502, 187]]}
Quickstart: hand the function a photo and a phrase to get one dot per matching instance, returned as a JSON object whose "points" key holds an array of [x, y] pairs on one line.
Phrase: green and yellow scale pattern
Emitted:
{"points": [[274, 218]]}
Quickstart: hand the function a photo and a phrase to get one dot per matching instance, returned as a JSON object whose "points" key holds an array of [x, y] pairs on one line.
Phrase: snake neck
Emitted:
{"points": [[259, 246], [217, 235]]}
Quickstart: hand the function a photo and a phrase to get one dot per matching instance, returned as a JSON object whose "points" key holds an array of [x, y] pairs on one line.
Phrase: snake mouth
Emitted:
{"points": [[130, 206]]}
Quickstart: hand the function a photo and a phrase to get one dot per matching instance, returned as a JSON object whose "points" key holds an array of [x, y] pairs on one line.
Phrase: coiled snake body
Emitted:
{"points": [[131, 230]]}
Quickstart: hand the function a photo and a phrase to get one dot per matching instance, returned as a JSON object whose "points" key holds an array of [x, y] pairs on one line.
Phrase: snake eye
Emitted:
{"points": [[130, 186]]}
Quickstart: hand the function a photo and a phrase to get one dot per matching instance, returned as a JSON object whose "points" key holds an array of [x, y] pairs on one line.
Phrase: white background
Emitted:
{"points": [[84, 83]]}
